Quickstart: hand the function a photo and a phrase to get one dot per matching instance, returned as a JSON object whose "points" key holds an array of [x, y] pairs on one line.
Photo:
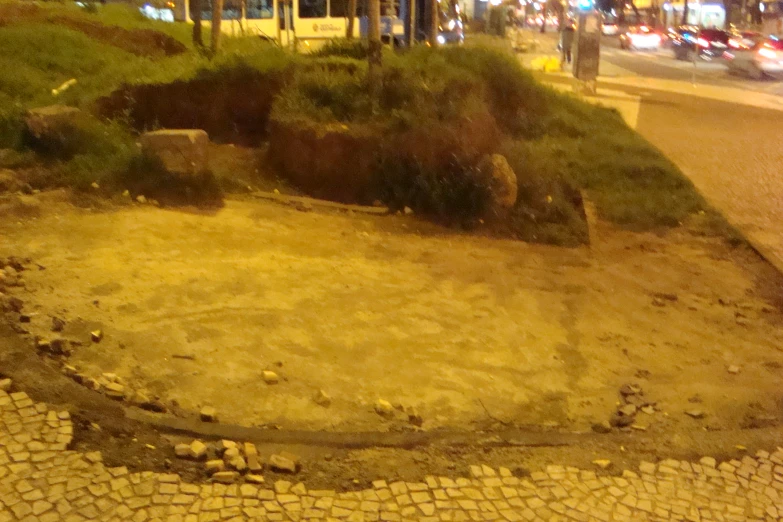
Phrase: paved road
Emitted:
{"points": [[41, 481], [662, 64]]}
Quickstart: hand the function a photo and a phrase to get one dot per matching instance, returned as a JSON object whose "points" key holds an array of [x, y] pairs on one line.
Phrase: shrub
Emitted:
{"points": [[452, 194], [147, 176], [356, 49]]}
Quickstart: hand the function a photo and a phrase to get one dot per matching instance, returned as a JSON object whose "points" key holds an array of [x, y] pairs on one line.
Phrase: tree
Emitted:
{"points": [[217, 16], [685, 12], [374, 47], [434, 23], [195, 13], [351, 17]]}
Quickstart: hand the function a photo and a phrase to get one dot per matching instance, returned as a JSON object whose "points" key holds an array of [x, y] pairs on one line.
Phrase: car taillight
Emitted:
{"points": [[769, 54], [703, 43]]}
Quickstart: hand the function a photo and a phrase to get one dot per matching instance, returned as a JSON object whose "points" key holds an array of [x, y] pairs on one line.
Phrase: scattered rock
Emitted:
{"points": [[408, 211], [638, 427], [182, 451], [60, 347], [649, 410], [141, 199], [270, 377], [238, 463], [254, 479], [384, 408], [115, 391], [208, 414], [322, 399], [251, 454], [215, 466], [602, 427], [695, 399], [225, 477], [57, 324], [282, 463], [658, 302], [5, 385], [666, 296], [182, 151], [620, 421], [603, 463], [230, 453], [154, 405], [414, 417], [12, 304], [304, 206], [630, 389], [96, 336], [501, 180], [629, 410], [197, 450], [224, 445], [24, 318], [696, 414], [734, 370], [54, 122], [126, 193]]}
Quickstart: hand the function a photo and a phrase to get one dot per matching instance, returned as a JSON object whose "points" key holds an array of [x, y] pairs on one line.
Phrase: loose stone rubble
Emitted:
{"points": [[41, 480]]}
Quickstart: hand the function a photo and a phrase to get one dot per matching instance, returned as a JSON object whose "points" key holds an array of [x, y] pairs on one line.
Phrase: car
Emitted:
{"points": [[450, 30], [763, 58], [691, 42], [610, 28], [744, 39], [640, 38]]}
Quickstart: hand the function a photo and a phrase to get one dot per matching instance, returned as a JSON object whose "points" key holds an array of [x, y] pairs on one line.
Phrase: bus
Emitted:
{"points": [[302, 24]]}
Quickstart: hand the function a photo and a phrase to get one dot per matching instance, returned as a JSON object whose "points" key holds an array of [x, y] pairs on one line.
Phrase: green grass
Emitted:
{"points": [[556, 144]]}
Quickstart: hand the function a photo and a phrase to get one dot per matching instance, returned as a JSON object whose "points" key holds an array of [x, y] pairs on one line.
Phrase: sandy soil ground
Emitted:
{"points": [[468, 330]]}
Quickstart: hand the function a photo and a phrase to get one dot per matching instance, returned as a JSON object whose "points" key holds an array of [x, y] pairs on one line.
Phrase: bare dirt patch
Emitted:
{"points": [[474, 333], [141, 42]]}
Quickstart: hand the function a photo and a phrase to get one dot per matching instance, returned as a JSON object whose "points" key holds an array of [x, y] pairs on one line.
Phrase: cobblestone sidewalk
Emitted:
{"points": [[40, 480]]}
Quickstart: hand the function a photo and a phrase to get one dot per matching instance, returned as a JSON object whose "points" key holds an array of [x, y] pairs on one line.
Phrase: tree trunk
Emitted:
{"points": [[351, 17], [195, 11], [217, 16], [545, 14], [374, 48], [434, 23], [685, 13]]}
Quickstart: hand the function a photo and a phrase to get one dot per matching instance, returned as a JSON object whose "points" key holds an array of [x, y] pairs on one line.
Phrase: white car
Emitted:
{"points": [[640, 38], [610, 29], [758, 59]]}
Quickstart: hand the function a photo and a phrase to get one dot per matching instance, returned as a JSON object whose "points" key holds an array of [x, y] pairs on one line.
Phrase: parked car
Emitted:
{"points": [[690, 42], [640, 38], [763, 58]]}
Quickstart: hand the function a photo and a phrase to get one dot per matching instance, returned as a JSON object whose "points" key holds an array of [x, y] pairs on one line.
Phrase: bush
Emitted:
{"points": [[453, 194], [356, 49], [147, 176]]}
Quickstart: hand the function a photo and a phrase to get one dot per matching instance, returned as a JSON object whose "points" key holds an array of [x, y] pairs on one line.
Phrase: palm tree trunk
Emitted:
{"points": [[434, 23]]}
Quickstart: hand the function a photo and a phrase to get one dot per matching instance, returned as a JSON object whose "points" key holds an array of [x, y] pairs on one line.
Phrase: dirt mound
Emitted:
{"points": [[231, 106], [141, 42]]}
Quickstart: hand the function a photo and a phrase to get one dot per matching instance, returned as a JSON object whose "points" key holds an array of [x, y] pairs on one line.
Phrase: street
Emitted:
{"points": [[662, 64]]}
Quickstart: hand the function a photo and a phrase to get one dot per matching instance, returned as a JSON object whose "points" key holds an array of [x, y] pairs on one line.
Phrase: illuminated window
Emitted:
{"points": [[312, 8]]}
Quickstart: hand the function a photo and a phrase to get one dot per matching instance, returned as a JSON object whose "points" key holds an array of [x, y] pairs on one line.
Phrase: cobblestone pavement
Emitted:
{"points": [[40, 480]]}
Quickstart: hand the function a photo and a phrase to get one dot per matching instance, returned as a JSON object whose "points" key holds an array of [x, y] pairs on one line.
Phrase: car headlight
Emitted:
{"points": [[441, 39], [451, 25]]}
